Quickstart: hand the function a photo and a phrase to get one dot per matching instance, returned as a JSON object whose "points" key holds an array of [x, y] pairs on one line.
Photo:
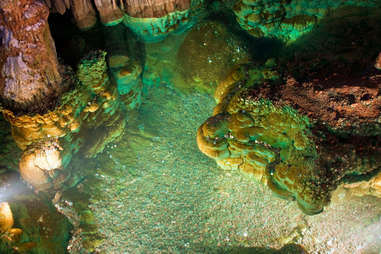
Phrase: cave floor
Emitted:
{"points": [[161, 195]]}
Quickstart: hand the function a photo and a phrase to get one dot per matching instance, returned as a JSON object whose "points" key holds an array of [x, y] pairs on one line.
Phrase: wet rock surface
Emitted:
{"points": [[117, 153]]}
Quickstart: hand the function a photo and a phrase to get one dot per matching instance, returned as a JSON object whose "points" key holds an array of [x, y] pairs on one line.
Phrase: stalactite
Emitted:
{"points": [[154, 9], [84, 13], [109, 11], [60, 6]]}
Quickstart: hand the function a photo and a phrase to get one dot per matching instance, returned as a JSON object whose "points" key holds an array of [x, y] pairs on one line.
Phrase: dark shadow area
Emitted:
{"points": [[260, 49], [119, 40], [345, 42], [71, 43], [286, 249]]}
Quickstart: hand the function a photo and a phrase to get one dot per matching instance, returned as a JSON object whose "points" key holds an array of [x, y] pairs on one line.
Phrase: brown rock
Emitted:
{"points": [[84, 13], [39, 164], [6, 217], [154, 8], [108, 10], [371, 187], [29, 76]]}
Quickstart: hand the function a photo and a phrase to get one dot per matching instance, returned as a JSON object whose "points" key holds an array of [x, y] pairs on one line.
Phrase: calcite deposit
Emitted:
{"points": [[41, 166], [155, 8], [285, 20], [30, 80], [255, 128], [309, 120], [83, 13], [201, 65], [53, 111], [6, 217], [159, 18], [50, 139], [297, 86], [370, 187], [151, 20], [124, 64]]}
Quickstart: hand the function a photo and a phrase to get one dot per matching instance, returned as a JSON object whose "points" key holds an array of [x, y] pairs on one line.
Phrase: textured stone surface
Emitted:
{"points": [[109, 12], [29, 75], [41, 166], [84, 13], [370, 187], [91, 109], [337, 89], [157, 28], [297, 157], [208, 52], [125, 63], [285, 20], [154, 8], [163, 15]]}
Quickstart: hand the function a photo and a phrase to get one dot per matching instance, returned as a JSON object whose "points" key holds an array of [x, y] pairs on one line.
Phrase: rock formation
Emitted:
{"points": [[155, 8], [151, 20], [199, 61], [301, 123], [309, 123], [47, 104], [255, 128], [285, 20], [30, 80], [83, 13]]}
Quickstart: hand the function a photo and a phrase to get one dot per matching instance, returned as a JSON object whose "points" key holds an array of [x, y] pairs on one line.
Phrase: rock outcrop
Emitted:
{"points": [[290, 145]]}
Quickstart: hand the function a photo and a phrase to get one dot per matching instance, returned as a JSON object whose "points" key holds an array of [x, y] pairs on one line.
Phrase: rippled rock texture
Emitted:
{"points": [[151, 20], [308, 124], [90, 108], [285, 20], [255, 128], [30, 80]]}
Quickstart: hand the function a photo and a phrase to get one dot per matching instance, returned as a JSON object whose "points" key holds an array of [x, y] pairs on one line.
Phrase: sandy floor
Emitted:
{"points": [[161, 195]]}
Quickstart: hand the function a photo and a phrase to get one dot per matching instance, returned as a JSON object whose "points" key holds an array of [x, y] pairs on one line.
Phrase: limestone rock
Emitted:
{"points": [[109, 11], [255, 128], [154, 8], [41, 166], [210, 51], [371, 187], [29, 77], [84, 13], [285, 20], [6, 217]]}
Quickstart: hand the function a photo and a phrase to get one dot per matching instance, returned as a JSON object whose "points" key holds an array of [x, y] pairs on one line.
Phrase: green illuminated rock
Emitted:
{"points": [[286, 20]]}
